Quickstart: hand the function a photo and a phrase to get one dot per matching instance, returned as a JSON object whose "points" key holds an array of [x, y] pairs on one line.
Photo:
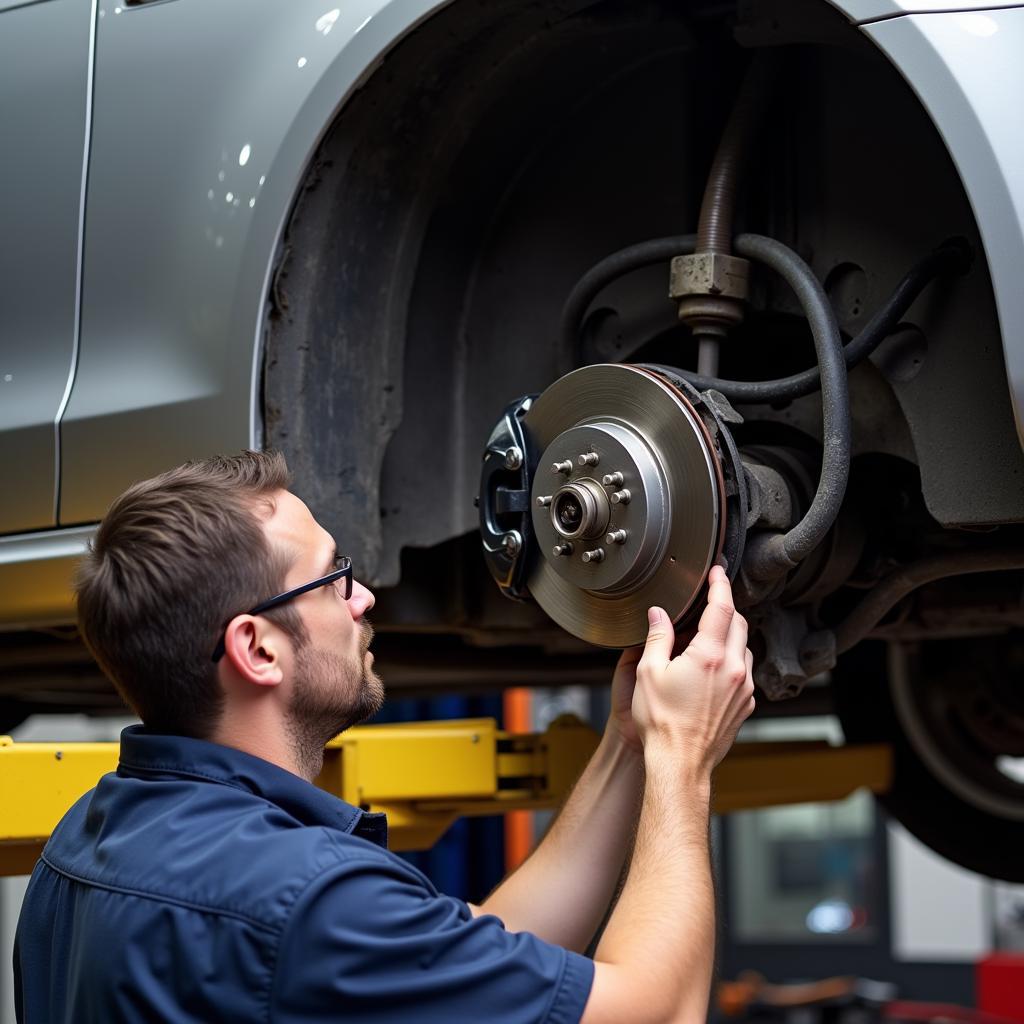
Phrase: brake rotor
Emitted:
{"points": [[627, 502]]}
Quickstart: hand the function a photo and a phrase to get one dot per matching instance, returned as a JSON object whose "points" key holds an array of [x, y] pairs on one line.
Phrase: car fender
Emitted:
{"points": [[963, 62], [190, 181]]}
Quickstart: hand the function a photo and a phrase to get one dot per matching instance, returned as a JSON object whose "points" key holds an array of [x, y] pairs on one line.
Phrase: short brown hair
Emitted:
{"points": [[174, 560]]}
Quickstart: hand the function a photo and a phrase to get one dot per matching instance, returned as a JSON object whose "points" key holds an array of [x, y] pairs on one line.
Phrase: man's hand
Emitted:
{"points": [[693, 704], [620, 721], [660, 939]]}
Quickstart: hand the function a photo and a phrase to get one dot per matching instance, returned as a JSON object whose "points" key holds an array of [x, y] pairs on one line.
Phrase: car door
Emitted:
{"points": [[44, 86]]}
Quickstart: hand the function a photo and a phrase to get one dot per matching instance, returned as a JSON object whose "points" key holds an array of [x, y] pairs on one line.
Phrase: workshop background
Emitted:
{"points": [[807, 892]]}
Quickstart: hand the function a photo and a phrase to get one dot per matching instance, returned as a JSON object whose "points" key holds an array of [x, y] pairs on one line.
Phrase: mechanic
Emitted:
{"points": [[209, 879]]}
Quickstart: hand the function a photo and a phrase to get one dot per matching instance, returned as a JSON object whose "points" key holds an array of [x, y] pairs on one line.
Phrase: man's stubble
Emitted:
{"points": [[332, 692]]}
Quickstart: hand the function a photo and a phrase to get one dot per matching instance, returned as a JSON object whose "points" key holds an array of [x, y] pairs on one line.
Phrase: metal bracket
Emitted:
{"points": [[506, 527]]}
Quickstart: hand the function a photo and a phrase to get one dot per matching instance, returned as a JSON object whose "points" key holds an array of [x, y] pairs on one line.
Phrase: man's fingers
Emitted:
{"points": [[660, 637], [736, 641], [717, 617]]}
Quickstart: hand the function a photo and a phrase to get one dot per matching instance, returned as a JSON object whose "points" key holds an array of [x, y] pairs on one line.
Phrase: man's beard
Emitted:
{"points": [[331, 694]]}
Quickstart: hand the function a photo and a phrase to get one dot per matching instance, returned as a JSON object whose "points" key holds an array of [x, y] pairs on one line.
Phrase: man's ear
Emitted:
{"points": [[254, 649]]}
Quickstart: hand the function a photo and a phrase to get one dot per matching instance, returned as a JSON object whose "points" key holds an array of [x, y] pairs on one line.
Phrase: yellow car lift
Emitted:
{"points": [[425, 775]]}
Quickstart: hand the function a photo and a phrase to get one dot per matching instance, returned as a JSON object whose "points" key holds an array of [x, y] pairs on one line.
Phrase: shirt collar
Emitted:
{"points": [[144, 752]]}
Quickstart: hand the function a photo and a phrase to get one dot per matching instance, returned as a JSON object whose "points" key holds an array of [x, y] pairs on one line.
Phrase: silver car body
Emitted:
{"points": [[139, 245]]}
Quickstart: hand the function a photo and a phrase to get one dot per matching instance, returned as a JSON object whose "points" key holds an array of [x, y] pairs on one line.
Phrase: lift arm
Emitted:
{"points": [[425, 775]]}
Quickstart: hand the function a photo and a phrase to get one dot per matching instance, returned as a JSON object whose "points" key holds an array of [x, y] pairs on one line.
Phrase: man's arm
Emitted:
{"points": [[562, 892], [655, 957]]}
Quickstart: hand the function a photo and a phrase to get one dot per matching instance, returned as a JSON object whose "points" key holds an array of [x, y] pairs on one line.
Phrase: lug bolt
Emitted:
{"points": [[564, 548], [589, 459], [561, 467], [612, 479], [597, 555], [621, 497], [616, 537], [511, 544], [543, 500], [513, 458]]}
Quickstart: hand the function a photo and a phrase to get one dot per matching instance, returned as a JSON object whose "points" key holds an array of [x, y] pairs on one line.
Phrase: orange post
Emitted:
{"points": [[518, 824]]}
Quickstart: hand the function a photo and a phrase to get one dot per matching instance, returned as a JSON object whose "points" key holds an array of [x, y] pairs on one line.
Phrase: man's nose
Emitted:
{"points": [[361, 601]]}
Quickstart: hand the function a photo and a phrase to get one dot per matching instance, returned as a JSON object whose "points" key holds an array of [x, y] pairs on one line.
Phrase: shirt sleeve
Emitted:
{"points": [[373, 941]]}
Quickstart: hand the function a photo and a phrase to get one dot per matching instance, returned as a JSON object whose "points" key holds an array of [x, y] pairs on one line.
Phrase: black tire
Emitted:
{"points": [[948, 709]]}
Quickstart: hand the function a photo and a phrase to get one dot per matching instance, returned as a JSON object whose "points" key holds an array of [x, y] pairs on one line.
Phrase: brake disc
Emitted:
{"points": [[627, 502]]}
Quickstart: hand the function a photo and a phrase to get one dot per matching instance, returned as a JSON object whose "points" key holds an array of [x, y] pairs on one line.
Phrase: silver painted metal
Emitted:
{"points": [[189, 217], [621, 497], [612, 479], [616, 537], [564, 467], [79, 260], [44, 74], [560, 550], [594, 555], [543, 500], [35, 576], [950, 61], [589, 459], [638, 421]]}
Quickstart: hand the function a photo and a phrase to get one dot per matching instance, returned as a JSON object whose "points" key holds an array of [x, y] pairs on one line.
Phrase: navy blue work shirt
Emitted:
{"points": [[198, 883]]}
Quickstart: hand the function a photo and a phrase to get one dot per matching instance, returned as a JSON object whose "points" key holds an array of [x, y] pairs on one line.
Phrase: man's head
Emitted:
{"points": [[175, 565]]}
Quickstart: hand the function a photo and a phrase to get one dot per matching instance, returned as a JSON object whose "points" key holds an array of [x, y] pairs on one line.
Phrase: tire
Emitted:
{"points": [[951, 710]]}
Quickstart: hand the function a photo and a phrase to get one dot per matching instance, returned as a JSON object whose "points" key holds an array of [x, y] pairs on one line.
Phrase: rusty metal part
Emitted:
{"points": [[898, 584], [710, 285]]}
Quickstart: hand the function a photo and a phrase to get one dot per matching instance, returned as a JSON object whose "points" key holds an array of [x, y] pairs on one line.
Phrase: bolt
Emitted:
{"points": [[561, 467], [589, 459], [612, 479], [543, 500], [621, 497], [597, 555], [564, 548], [511, 544], [616, 537], [513, 458]]}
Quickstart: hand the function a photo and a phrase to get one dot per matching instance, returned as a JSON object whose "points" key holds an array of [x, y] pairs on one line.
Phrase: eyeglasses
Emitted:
{"points": [[343, 572]]}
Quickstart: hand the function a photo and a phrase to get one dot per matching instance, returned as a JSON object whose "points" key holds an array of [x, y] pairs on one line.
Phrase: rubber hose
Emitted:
{"points": [[611, 268], [951, 257], [894, 587], [781, 552]]}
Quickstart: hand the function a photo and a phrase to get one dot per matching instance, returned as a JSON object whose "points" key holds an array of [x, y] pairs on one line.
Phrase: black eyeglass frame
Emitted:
{"points": [[344, 571]]}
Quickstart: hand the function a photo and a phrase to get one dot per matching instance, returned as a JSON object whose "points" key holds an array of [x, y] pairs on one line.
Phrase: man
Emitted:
{"points": [[208, 879]]}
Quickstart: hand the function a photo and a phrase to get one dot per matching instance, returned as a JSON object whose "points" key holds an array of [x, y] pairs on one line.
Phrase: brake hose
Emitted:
{"points": [[951, 257], [776, 553]]}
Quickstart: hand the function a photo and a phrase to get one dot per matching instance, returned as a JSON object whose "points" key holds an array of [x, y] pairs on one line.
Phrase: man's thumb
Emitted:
{"points": [[660, 636]]}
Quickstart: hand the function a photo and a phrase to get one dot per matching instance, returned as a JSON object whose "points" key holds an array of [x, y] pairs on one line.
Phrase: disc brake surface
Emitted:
{"points": [[627, 502]]}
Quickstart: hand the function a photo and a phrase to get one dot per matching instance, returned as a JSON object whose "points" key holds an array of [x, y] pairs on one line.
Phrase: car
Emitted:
{"points": [[433, 251]]}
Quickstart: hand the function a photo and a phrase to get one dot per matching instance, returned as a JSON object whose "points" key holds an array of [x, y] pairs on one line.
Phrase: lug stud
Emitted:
{"points": [[564, 548], [596, 555], [616, 537], [589, 459], [513, 458], [543, 500], [561, 467], [621, 497], [612, 479]]}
